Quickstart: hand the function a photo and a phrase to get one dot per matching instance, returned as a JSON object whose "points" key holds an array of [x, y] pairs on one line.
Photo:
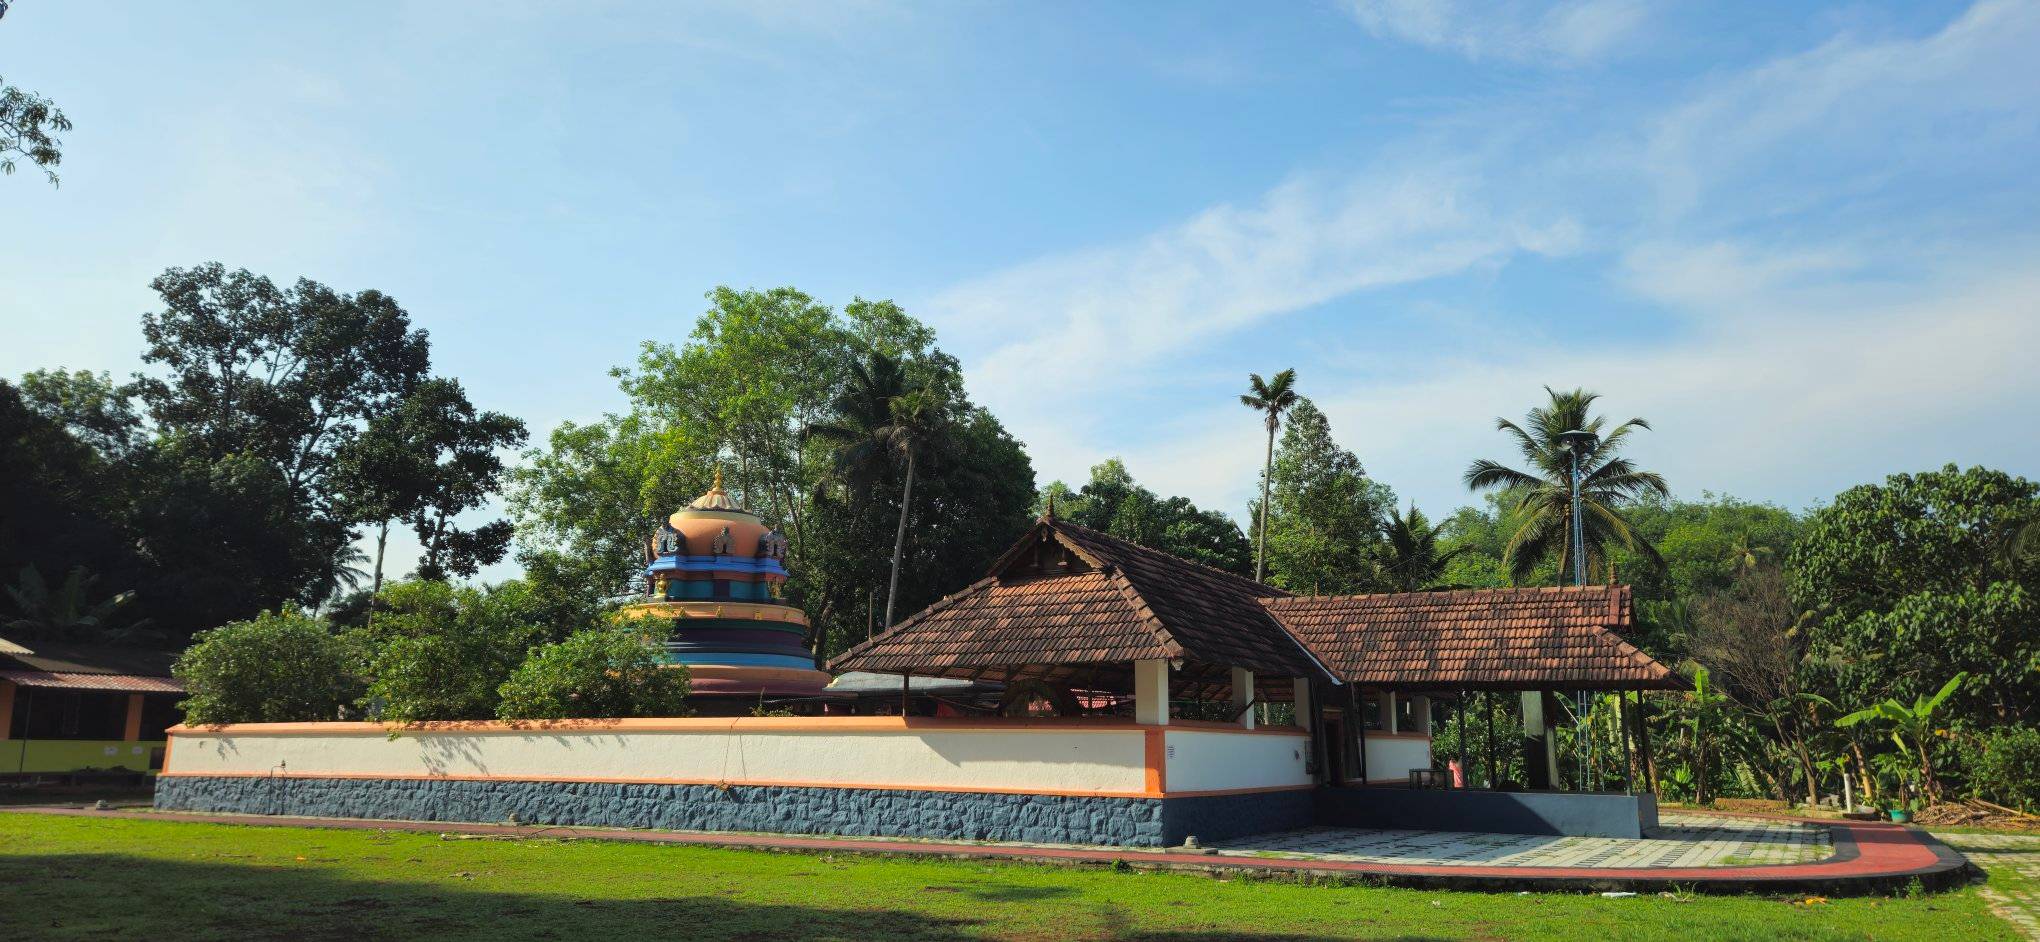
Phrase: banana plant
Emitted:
{"points": [[1912, 728]]}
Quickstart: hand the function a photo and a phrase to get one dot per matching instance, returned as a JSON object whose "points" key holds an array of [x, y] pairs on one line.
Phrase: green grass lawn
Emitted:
{"points": [[104, 878]]}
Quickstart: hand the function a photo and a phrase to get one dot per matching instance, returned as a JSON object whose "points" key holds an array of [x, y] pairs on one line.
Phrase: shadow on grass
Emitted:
{"points": [[101, 896]]}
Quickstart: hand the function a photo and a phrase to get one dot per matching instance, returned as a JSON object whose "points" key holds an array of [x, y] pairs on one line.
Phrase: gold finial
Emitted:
{"points": [[1050, 514], [718, 479]]}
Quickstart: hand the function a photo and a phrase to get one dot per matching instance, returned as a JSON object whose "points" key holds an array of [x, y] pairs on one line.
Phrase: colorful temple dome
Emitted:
{"points": [[718, 573]]}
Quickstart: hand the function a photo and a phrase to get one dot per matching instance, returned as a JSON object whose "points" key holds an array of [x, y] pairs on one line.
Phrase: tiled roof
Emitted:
{"points": [[1117, 603], [90, 659], [1076, 618], [1486, 638], [1216, 616], [64, 680]]}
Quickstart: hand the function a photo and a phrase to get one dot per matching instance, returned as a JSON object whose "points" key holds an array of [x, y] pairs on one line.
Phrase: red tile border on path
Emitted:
{"points": [[1869, 858]]}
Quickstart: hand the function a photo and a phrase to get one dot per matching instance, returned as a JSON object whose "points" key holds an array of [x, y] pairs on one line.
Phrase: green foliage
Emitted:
{"points": [[1915, 585], [428, 459], [281, 666], [1911, 726], [1541, 515], [68, 612], [1411, 557], [606, 672], [1113, 502], [761, 370], [26, 122], [2006, 768], [1323, 511], [1271, 398], [436, 652]]}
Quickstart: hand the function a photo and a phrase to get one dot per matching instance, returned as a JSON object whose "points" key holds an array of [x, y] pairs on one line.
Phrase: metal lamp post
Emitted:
{"points": [[1577, 442]]}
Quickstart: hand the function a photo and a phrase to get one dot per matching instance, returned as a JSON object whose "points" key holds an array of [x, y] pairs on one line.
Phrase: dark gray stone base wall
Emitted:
{"points": [[1222, 817], [1429, 809], [1048, 819]]}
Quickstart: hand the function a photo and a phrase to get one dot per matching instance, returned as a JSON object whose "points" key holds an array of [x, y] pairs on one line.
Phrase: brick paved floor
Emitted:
{"points": [[2013, 861], [1680, 841]]}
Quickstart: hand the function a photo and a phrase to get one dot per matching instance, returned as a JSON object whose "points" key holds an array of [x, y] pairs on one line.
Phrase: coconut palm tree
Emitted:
{"points": [[1409, 559], [1271, 398], [1542, 510], [881, 420]]}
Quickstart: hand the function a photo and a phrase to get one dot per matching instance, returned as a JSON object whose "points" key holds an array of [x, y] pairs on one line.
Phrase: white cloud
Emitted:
{"points": [[1846, 116], [1568, 32], [1786, 349], [1114, 316]]}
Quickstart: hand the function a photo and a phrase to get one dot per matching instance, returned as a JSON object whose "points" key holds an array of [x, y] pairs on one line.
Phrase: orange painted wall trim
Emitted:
{"points": [[1414, 737], [1157, 758], [134, 719], [1210, 726], [740, 724], [362, 776]]}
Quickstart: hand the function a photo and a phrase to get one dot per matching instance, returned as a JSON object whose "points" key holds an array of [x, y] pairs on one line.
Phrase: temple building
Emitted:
{"points": [[1145, 700], [718, 573]]}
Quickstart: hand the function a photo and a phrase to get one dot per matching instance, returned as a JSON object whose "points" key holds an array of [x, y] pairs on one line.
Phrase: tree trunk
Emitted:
{"points": [[892, 592], [1261, 540], [382, 541]]}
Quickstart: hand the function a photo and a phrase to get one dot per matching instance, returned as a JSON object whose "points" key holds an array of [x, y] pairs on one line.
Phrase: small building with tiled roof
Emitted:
{"points": [[68, 707], [1072, 607]]}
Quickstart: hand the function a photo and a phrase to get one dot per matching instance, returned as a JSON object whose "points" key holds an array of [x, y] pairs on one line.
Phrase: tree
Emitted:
{"points": [[432, 457], [281, 666], [1543, 509], [758, 371], [1411, 558], [282, 377], [595, 673], [68, 612], [878, 420], [1113, 502], [1913, 586], [436, 652], [1753, 640], [1271, 398], [1912, 728], [26, 120], [1323, 511]]}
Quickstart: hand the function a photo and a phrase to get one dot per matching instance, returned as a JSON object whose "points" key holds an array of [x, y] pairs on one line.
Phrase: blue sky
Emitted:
{"points": [[1801, 238]]}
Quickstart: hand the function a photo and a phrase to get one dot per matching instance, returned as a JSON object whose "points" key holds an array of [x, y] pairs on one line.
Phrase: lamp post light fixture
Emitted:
{"points": [[1578, 442]]}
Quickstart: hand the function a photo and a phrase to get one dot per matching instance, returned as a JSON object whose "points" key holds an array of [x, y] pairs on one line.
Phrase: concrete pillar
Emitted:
{"points": [[1151, 692], [1243, 696], [1391, 718], [134, 718], [1420, 714], [1301, 699], [6, 708], [1540, 741]]}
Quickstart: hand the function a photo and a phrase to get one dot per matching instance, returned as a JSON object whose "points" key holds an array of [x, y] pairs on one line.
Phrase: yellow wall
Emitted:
{"points": [[71, 755]]}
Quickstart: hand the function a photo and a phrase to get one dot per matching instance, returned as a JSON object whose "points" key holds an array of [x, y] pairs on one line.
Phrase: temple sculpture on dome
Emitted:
{"points": [[718, 573]]}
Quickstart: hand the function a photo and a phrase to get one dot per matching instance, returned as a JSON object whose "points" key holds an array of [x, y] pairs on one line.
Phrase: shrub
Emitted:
{"points": [[603, 672], [2007, 769], [277, 667], [437, 652]]}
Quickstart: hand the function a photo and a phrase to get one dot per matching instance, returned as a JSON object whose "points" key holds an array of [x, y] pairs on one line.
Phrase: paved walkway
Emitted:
{"points": [[1714, 854], [1680, 841], [2014, 862]]}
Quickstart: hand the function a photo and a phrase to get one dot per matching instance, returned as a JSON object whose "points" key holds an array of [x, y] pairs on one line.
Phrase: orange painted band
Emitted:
{"points": [[1426, 737], [1207, 726], [618, 780], [1155, 755], [762, 724], [1239, 791]]}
